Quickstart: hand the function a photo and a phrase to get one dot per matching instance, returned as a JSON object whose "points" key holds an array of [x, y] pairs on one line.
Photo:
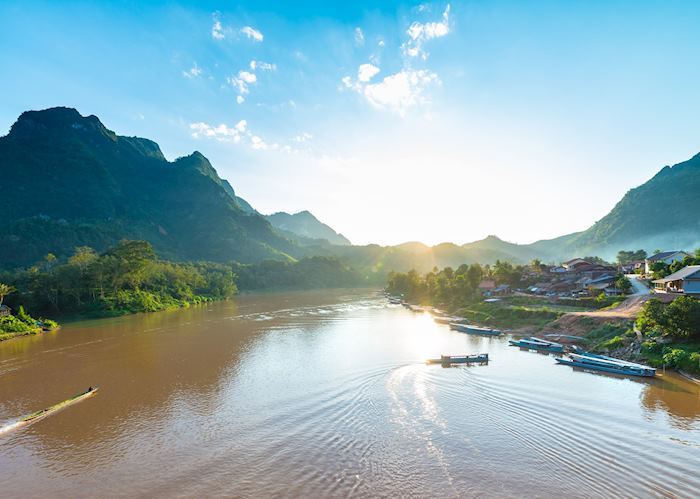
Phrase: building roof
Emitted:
{"points": [[574, 260], [664, 254], [487, 284], [684, 273]]}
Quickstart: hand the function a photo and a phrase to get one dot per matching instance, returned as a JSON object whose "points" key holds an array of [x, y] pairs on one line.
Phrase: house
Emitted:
{"points": [[501, 290], [575, 263], [686, 280], [630, 267], [4, 310], [667, 257], [487, 285], [602, 283]]}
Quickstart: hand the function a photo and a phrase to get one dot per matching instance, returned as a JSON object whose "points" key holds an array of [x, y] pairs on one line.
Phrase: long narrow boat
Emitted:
{"points": [[471, 329], [459, 359], [35, 416], [613, 359], [608, 364], [537, 344]]}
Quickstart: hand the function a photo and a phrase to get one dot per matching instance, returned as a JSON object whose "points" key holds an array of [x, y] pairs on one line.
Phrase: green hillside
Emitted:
{"points": [[68, 181]]}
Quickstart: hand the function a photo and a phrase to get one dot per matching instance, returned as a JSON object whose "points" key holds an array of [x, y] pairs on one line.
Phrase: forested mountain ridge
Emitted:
{"points": [[662, 213], [69, 181]]}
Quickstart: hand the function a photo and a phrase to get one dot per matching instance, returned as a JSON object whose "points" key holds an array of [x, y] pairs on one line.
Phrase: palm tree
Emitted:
{"points": [[4, 291]]}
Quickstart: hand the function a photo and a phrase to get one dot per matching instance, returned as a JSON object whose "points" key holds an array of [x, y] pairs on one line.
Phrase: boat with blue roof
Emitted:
{"points": [[586, 360], [533, 343]]}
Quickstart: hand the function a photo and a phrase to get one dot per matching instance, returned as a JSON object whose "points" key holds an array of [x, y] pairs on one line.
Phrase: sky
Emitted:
{"points": [[390, 121]]}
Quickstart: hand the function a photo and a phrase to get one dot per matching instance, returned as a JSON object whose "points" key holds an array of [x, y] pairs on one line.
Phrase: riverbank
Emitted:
{"points": [[22, 324]]}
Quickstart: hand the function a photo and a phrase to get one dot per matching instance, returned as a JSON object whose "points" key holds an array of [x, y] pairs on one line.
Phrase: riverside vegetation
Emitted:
{"points": [[130, 278], [457, 290]]}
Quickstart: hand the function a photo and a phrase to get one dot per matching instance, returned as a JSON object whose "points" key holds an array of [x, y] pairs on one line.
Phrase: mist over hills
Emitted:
{"points": [[69, 181], [306, 225]]}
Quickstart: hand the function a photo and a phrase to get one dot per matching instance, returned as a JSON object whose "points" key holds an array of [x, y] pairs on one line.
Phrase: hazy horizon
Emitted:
{"points": [[438, 122]]}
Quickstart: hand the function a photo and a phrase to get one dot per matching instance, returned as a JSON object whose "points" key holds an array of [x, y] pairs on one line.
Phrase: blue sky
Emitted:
{"points": [[389, 121]]}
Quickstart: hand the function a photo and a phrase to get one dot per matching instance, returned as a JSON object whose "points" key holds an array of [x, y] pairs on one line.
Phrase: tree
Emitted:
{"points": [[82, 258], [624, 256], [5, 290], [683, 317], [622, 283]]}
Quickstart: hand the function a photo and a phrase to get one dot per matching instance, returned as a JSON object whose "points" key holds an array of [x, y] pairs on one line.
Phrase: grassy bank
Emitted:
{"points": [[22, 324]]}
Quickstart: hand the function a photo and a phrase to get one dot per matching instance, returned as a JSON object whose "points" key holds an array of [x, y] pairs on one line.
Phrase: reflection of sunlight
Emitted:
{"points": [[425, 340]]}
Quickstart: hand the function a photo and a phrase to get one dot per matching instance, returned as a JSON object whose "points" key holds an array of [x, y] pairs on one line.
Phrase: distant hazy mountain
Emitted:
{"points": [[306, 225], [663, 213], [68, 181]]}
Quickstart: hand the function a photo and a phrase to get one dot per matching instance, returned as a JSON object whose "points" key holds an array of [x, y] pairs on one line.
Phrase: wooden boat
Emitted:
{"points": [[607, 364], [35, 416], [394, 301], [459, 359], [471, 329], [537, 344], [613, 359]]}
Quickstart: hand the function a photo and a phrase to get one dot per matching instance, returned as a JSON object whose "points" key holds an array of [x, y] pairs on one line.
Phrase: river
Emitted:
{"points": [[325, 393]]}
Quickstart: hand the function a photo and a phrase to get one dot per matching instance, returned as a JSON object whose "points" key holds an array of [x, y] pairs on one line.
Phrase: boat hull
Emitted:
{"points": [[464, 328], [460, 359], [644, 373], [535, 346]]}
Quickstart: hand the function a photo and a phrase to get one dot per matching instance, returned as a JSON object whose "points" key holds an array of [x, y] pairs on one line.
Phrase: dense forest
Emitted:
{"points": [[129, 277]]}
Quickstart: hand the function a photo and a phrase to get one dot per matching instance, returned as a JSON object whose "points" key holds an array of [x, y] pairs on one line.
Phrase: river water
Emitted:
{"points": [[316, 394]]}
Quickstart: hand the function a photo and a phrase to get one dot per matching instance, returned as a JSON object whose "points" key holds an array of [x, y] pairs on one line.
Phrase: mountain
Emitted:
{"points": [[663, 213], [68, 181], [306, 225]]}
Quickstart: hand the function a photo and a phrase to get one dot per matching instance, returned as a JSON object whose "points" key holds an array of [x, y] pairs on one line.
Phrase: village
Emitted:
{"points": [[672, 272]]}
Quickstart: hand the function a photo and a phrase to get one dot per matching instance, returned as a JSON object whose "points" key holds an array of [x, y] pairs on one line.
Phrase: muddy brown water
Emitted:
{"points": [[318, 394]]}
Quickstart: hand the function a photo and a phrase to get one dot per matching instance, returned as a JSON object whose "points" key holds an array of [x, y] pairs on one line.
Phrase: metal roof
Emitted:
{"points": [[682, 274]]}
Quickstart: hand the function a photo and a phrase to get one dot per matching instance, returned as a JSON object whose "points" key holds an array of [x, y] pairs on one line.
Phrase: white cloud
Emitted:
{"points": [[253, 33], [240, 99], [381, 43], [366, 71], [400, 91], [217, 30], [239, 134], [222, 132], [194, 72], [397, 92], [419, 33], [247, 77], [242, 82], [359, 37], [263, 66]]}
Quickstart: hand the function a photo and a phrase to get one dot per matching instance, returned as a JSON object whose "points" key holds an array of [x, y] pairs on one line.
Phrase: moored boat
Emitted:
{"points": [[537, 344], [459, 359], [471, 329], [607, 364]]}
